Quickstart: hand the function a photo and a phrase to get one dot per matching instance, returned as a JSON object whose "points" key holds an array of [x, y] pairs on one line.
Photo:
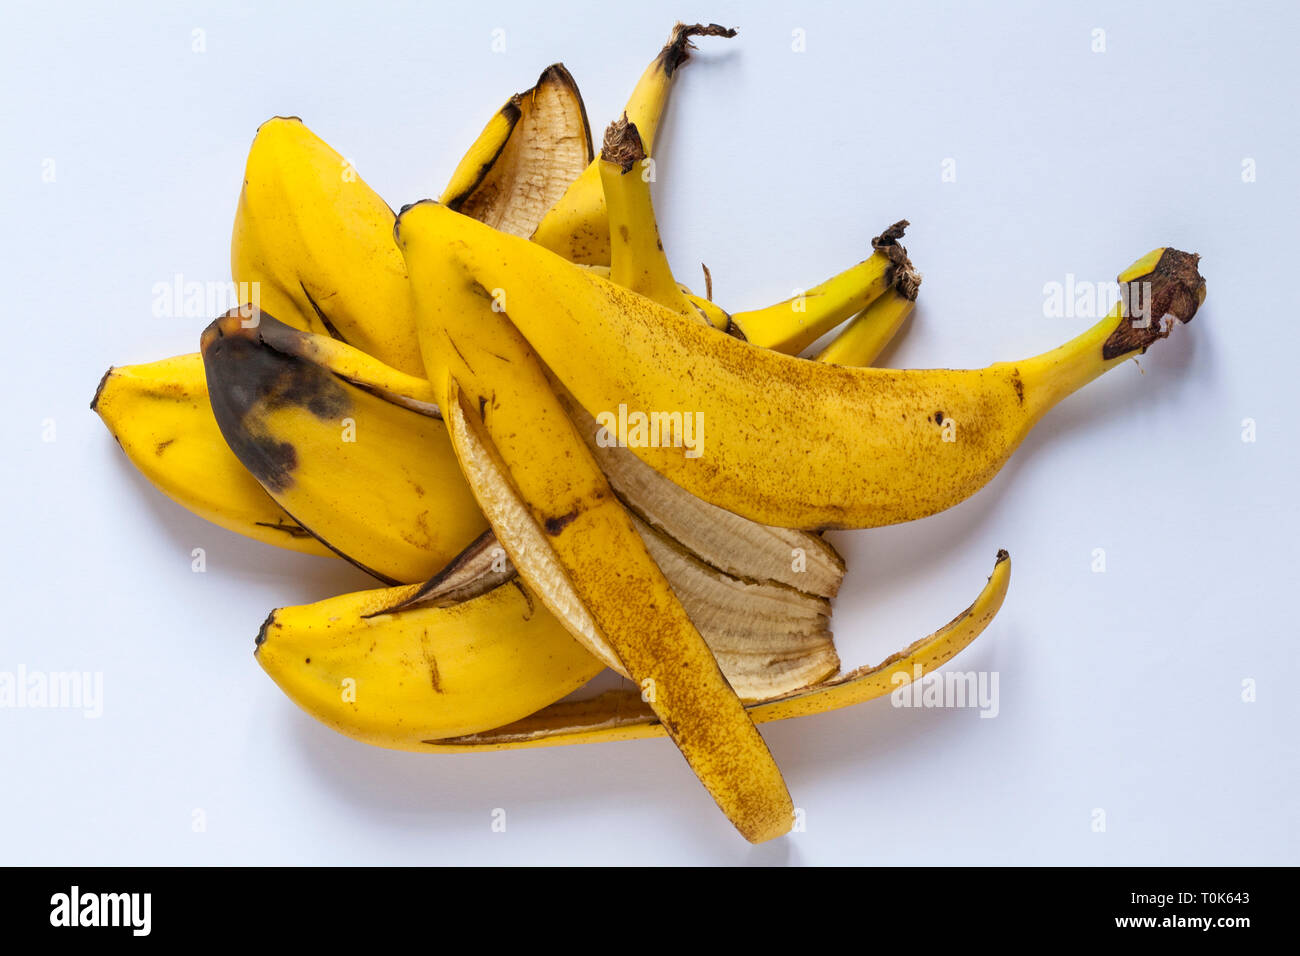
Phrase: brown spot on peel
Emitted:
{"points": [[556, 525], [247, 377], [1174, 287]]}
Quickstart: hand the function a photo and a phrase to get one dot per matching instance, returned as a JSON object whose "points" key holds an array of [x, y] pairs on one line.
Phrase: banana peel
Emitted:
{"points": [[404, 706]]}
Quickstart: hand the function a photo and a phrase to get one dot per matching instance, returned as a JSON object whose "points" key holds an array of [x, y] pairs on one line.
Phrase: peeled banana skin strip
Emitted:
{"points": [[621, 715]]}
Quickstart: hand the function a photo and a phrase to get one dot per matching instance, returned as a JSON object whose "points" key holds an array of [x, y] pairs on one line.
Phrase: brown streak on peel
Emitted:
{"points": [[320, 314], [103, 380], [383, 578], [527, 596], [292, 530], [463, 579], [434, 679], [1175, 287], [556, 525], [261, 631], [458, 351], [512, 112]]}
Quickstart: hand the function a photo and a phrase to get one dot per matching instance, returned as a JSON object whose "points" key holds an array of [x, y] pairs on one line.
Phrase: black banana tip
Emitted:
{"points": [[99, 389], [261, 632]]}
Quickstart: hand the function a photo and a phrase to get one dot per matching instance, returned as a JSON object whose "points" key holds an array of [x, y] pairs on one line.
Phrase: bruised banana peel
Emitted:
{"points": [[376, 483]]}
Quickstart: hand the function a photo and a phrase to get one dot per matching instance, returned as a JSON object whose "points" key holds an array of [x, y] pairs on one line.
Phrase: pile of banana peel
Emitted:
{"points": [[561, 461]]}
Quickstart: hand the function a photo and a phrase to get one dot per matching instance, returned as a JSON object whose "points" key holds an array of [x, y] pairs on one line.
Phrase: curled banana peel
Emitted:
{"points": [[860, 447], [389, 669], [621, 715], [525, 158], [564, 560]]}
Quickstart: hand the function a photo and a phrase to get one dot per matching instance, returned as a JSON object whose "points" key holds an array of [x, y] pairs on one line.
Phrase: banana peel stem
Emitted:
{"points": [[1162, 286]]}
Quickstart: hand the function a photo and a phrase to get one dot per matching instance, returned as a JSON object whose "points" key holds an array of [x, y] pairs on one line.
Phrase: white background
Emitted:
{"points": [[1119, 690]]}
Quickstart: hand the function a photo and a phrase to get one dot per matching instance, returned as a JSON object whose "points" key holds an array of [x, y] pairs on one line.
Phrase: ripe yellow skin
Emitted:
{"points": [[319, 243], [637, 259], [787, 441], [159, 414], [793, 325], [862, 340], [423, 673]]}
